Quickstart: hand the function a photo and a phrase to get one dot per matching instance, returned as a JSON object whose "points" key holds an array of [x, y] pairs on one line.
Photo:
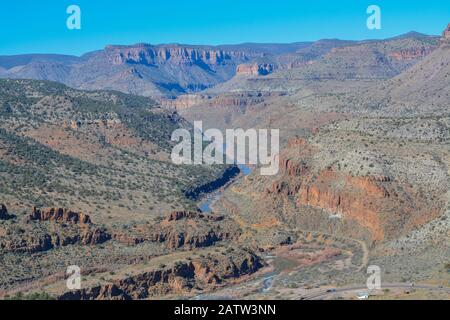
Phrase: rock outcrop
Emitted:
{"points": [[375, 205], [185, 101], [234, 99], [179, 215], [193, 230], [51, 228], [411, 53], [183, 230], [60, 215], [180, 278], [255, 69], [446, 34], [34, 242], [292, 170], [357, 199]]}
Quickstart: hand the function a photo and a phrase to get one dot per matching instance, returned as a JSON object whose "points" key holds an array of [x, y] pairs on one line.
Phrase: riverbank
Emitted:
{"points": [[208, 200]]}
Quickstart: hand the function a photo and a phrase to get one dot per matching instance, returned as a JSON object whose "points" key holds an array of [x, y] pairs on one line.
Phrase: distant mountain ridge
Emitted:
{"points": [[170, 70], [8, 62]]}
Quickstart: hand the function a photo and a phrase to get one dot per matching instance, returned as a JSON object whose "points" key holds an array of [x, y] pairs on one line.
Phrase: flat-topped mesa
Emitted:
{"points": [[176, 54], [255, 69], [59, 215]]}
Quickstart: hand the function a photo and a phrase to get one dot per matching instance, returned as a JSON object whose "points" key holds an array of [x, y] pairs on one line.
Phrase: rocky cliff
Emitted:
{"points": [[59, 215], [381, 203], [50, 228], [183, 230], [179, 278], [411, 53], [176, 54], [255, 69], [359, 198], [234, 99]]}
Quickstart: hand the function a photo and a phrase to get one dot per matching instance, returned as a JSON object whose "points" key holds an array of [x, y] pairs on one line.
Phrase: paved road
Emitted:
{"points": [[324, 293]]}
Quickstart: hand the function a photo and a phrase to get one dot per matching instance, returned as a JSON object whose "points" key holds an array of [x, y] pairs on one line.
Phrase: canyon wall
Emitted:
{"points": [[255, 69], [182, 277], [411, 53], [174, 54]]}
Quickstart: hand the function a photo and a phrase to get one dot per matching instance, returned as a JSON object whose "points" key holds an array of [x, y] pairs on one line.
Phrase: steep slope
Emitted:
{"points": [[9, 62], [336, 60], [329, 76], [307, 54], [86, 179], [426, 86], [68, 148], [52, 71], [363, 158]]}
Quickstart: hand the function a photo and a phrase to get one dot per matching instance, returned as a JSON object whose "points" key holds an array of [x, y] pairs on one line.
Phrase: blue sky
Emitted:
{"points": [[30, 26]]}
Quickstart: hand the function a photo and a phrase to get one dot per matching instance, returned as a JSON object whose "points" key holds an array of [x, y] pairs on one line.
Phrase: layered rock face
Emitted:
{"points": [[291, 170], [178, 55], [185, 101], [255, 69], [180, 278], [184, 229], [359, 199], [59, 215], [50, 228], [235, 99], [375, 205], [411, 54]]}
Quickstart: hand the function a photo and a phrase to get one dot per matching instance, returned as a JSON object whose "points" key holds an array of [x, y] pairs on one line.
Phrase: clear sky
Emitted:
{"points": [[39, 26]]}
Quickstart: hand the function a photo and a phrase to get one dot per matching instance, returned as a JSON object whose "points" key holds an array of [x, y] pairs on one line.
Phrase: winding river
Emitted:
{"points": [[208, 201], [265, 281]]}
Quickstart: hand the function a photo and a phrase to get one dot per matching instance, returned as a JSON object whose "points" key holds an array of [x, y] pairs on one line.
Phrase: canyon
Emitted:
{"points": [[88, 180]]}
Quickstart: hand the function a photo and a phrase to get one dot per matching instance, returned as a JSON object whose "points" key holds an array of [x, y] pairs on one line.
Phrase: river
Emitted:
{"points": [[208, 201], [265, 281]]}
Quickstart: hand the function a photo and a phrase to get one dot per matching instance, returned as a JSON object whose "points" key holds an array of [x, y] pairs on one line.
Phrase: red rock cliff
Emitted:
{"points": [[60, 215], [411, 53], [356, 198], [255, 69]]}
